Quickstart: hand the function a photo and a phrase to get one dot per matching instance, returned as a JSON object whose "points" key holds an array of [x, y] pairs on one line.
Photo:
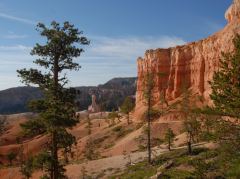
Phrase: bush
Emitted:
{"points": [[122, 133], [11, 156], [117, 129]]}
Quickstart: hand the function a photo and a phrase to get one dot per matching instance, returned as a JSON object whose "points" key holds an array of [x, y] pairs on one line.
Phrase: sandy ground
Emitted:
{"points": [[107, 165], [119, 162], [114, 159]]}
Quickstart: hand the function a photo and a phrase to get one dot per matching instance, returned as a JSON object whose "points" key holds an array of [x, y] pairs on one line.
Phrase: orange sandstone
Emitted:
{"points": [[191, 65]]}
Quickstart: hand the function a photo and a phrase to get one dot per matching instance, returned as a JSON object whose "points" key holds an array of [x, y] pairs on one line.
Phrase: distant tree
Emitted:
{"points": [[209, 122], [127, 107], [191, 124], [127, 156], [57, 109], [43, 162], [113, 115], [90, 150], [118, 117], [89, 125], [21, 153], [148, 94], [2, 126], [66, 142], [169, 137], [191, 127], [149, 85], [27, 168], [11, 156]]}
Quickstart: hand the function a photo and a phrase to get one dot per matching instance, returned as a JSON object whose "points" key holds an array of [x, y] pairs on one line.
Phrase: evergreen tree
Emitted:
{"points": [[127, 107], [148, 94], [169, 137], [191, 124], [226, 98], [90, 151], [89, 125], [226, 84], [2, 125], [57, 109], [151, 112], [112, 116], [11, 156], [66, 140], [27, 168]]}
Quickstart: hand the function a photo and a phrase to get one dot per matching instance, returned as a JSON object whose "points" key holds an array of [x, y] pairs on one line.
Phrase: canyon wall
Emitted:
{"points": [[191, 65]]}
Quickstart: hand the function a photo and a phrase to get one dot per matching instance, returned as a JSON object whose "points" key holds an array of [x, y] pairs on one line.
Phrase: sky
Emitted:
{"points": [[119, 31]]}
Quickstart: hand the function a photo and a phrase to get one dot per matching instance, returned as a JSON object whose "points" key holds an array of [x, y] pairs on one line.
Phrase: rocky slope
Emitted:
{"points": [[112, 94], [191, 65]]}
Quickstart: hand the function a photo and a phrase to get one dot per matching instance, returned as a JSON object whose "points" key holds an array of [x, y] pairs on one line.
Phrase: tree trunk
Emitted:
{"points": [[55, 76], [54, 171], [128, 118], [169, 144], [189, 147], [149, 132]]}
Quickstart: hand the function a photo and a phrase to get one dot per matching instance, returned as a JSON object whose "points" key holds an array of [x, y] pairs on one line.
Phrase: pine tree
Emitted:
{"points": [[226, 83], [127, 107], [169, 137], [11, 156], [89, 125], [112, 116], [27, 168], [148, 94], [191, 124], [90, 151], [226, 98], [2, 125], [57, 109]]}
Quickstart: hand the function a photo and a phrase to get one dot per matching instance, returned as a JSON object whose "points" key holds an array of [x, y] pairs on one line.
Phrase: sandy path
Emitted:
{"points": [[115, 162], [96, 166]]}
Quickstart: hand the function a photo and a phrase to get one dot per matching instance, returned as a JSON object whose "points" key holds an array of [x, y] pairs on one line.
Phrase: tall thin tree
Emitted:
{"points": [[148, 94], [127, 107], [191, 123], [57, 109]]}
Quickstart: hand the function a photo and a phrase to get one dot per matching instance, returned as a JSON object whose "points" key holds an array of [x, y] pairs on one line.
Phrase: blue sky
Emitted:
{"points": [[119, 31]]}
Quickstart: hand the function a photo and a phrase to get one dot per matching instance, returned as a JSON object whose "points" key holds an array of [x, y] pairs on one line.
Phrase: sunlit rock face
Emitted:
{"points": [[233, 11], [191, 65]]}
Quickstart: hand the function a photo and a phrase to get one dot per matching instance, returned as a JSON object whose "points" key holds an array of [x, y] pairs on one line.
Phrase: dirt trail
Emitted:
{"points": [[95, 167], [114, 163]]}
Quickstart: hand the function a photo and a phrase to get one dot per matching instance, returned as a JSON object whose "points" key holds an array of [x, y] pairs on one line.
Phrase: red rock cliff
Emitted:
{"points": [[192, 64]]}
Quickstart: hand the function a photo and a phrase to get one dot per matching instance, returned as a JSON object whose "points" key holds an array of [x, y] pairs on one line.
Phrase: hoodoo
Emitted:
{"points": [[191, 65]]}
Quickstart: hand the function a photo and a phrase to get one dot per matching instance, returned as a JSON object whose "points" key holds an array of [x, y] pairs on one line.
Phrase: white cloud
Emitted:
{"points": [[128, 47], [15, 48], [18, 19], [14, 36], [104, 59]]}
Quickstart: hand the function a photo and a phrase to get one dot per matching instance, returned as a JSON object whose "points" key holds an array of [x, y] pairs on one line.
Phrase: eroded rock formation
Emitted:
{"points": [[191, 65]]}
